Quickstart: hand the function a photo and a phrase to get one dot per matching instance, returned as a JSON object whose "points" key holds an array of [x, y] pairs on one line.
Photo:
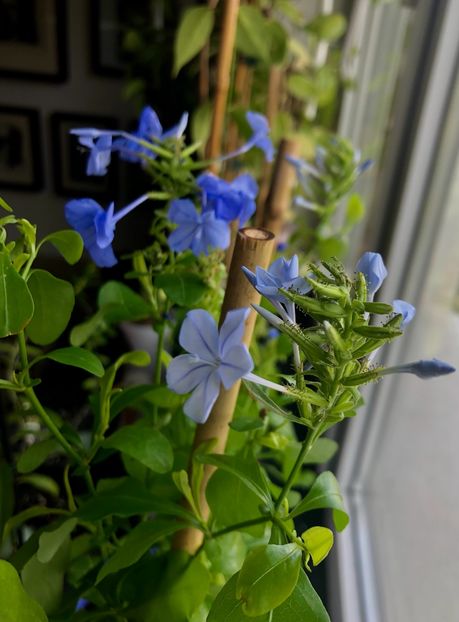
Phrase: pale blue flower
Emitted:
{"points": [[82, 603], [371, 265], [283, 273], [229, 200], [430, 368], [214, 358], [100, 150], [150, 130], [97, 226], [406, 310], [199, 231], [259, 138]]}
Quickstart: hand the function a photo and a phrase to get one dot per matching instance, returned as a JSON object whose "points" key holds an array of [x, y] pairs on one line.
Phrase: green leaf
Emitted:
{"points": [[36, 454], [185, 290], [303, 604], [329, 27], [41, 482], [45, 582], [51, 541], [120, 303], [138, 541], [331, 247], [268, 577], [355, 209], [201, 121], [5, 205], [15, 604], [245, 423], [318, 541], [68, 242], [16, 303], [251, 39], [128, 498], [278, 41], [142, 442], [324, 493], [192, 34], [77, 357], [82, 332], [53, 304], [246, 469], [25, 515]]}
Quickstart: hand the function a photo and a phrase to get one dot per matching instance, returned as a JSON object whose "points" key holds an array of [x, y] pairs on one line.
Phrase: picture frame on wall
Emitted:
{"points": [[33, 40], [70, 158], [106, 21], [20, 149]]}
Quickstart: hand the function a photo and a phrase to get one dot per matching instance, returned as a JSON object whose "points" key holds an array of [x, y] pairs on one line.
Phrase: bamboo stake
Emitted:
{"points": [[277, 203], [242, 91], [253, 248], [225, 56], [272, 108], [204, 73]]}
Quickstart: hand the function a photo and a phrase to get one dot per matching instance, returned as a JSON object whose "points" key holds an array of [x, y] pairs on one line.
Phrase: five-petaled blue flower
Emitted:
{"points": [[214, 358], [199, 231], [97, 226], [371, 265], [283, 273], [259, 138], [150, 130], [229, 200]]}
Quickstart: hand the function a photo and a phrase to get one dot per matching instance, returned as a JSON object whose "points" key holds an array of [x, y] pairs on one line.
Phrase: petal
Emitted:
{"points": [[406, 310], [373, 269], [237, 363], [185, 372], [215, 234], [248, 209], [199, 335], [284, 269], [149, 124], [177, 130], [105, 227], [257, 122], [246, 184], [250, 276], [232, 330], [102, 257], [199, 405], [265, 144], [183, 211], [80, 213], [183, 237]]}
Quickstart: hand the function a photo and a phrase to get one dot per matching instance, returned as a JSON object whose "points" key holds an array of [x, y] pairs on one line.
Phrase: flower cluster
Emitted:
{"points": [[202, 218]]}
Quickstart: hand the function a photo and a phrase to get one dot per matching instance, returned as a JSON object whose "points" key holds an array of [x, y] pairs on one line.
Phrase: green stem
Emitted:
{"points": [[305, 449], [159, 351], [47, 420]]}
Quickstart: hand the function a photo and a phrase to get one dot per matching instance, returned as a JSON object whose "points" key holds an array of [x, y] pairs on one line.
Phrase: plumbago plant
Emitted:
{"points": [[109, 547]]}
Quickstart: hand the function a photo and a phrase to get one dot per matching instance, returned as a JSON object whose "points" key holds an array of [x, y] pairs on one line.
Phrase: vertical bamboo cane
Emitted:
{"points": [[225, 56], [272, 108], [277, 203], [204, 73], [253, 248]]}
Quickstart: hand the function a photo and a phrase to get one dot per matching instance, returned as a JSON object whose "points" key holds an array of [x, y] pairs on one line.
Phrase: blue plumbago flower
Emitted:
{"points": [[430, 368], [82, 603], [406, 310], [100, 149], [199, 231], [272, 333], [371, 265], [151, 130], [260, 137], [97, 226], [282, 273], [214, 358], [229, 200]]}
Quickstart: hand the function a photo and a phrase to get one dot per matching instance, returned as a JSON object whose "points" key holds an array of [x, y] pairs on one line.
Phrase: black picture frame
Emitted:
{"points": [[33, 40], [20, 149], [106, 38], [70, 158]]}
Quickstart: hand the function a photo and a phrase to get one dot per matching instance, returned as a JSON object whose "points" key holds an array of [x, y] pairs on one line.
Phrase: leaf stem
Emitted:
{"points": [[238, 526]]}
